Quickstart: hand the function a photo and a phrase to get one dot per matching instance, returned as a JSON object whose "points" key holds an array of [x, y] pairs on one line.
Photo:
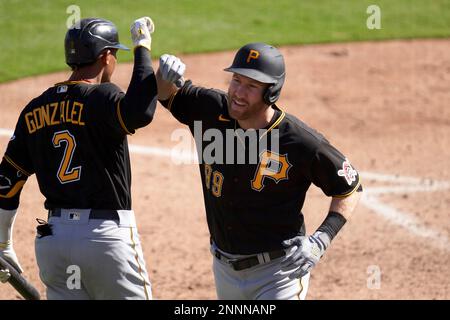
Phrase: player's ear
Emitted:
{"points": [[104, 57], [108, 56]]}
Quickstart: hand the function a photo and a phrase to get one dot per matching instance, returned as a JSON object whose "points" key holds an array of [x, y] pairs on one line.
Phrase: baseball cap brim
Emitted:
{"points": [[253, 74], [120, 46]]}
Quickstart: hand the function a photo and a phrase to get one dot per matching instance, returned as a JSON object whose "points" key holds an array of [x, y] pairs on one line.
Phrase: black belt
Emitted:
{"points": [[245, 263], [94, 214]]}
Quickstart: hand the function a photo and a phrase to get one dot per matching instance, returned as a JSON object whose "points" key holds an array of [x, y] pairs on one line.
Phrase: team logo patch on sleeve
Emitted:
{"points": [[347, 172]]}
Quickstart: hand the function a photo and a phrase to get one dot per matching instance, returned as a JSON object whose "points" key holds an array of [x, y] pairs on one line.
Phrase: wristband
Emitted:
{"points": [[332, 224]]}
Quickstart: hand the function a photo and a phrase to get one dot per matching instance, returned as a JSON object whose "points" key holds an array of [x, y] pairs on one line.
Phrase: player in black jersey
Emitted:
{"points": [[255, 183], [74, 138]]}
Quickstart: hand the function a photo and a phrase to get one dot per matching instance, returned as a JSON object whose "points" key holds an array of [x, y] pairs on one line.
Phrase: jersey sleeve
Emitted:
{"points": [[192, 103], [15, 167], [17, 153], [12, 181], [332, 171], [106, 108]]}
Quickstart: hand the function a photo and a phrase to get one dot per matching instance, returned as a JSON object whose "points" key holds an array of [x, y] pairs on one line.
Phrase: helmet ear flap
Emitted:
{"points": [[269, 97], [272, 93]]}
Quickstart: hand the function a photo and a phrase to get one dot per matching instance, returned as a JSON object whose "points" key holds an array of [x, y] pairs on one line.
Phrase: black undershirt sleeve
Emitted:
{"points": [[138, 105]]}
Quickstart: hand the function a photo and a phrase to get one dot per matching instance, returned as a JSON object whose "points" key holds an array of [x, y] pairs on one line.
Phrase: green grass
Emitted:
{"points": [[32, 31]]}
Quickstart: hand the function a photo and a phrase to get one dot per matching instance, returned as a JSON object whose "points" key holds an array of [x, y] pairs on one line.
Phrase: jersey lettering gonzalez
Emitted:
{"points": [[253, 207], [59, 132], [53, 114]]}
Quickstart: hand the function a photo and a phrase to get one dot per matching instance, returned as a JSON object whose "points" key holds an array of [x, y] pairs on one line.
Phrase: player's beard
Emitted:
{"points": [[240, 109]]}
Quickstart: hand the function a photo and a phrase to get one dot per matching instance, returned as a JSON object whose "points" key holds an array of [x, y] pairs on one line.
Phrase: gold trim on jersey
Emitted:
{"points": [[136, 256], [14, 190], [348, 193], [276, 123], [172, 96], [72, 82], [16, 166], [122, 124]]}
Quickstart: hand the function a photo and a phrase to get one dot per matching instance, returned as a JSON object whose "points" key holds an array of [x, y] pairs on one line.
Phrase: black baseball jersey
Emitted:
{"points": [[252, 206], [74, 138]]}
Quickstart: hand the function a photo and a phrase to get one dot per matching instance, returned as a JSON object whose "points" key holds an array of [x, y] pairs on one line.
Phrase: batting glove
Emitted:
{"points": [[172, 69], [7, 218], [141, 31], [8, 253], [306, 254]]}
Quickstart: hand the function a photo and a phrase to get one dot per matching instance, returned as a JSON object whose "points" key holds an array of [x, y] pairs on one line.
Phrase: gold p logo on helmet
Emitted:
{"points": [[253, 54]]}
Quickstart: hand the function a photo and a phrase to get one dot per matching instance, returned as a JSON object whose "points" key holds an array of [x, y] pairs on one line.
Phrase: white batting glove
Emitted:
{"points": [[307, 253], [141, 31], [8, 253], [172, 69]]}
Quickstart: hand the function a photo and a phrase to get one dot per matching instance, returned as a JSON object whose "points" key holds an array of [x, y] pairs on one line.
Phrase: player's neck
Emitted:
{"points": [[89, 75], [259, 121]]}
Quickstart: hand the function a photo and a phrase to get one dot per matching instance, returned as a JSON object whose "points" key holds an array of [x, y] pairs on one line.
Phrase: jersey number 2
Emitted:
{"points": [[66, 175]]}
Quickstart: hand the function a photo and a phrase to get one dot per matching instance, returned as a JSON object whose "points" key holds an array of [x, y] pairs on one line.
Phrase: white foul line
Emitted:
{"points": [[370, 198], [406, 221], [403, 185]]}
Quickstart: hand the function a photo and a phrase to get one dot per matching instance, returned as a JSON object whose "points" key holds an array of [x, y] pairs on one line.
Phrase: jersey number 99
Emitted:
{"points": [[213, 180], [65, 174]]}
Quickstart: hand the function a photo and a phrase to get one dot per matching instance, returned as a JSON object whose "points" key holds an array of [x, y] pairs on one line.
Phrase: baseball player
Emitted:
{"points": [[254, 208], [74, 138]]}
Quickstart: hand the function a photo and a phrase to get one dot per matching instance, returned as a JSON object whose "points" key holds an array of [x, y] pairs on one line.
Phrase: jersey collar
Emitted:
{"points": [[72, 82]]}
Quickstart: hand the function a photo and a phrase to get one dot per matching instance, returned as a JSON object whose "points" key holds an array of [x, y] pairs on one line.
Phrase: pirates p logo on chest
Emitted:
{"points": [[273, 166]]}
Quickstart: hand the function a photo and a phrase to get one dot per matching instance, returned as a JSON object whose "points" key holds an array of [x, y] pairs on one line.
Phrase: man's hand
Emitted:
{"points": [[8, 253], [141, 31], [307, 253], [172, 69]]}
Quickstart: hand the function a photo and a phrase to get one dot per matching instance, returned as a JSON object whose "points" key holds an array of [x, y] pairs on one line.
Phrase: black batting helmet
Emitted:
{"points": [[86, 40], [264, 63]]}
